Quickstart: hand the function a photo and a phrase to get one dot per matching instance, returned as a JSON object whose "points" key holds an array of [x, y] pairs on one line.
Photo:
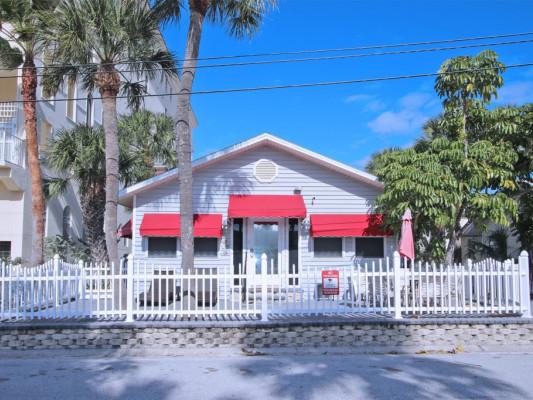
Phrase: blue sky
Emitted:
{"points": [[347, 123]]}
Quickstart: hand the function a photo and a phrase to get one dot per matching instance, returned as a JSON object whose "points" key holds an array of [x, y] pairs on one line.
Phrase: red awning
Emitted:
{"points": [[205, 225], [125, 230], [269, 205], [342, 225]]}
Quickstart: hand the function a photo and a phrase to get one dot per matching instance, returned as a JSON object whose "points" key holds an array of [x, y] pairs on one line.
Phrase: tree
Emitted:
{"points": [[457, 172], [243, 18], [97, 41], [20, 44], [78, 155]]}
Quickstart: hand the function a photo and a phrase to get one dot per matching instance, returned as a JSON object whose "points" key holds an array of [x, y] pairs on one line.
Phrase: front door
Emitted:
{"points": [[265, 238]]}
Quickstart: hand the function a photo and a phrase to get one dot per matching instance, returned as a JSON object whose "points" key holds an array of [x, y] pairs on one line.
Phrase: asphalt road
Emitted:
{"points": [[223, 376]]}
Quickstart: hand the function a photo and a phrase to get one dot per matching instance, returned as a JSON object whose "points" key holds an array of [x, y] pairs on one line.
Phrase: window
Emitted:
{"points": [[67, 222], [162, 247], [45, 135], [71, 103], [328, 247], [369, 247], [5, 250], [206, 247]]}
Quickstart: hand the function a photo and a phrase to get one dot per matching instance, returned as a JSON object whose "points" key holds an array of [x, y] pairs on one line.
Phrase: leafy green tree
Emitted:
{"points": [[95, 41], [454, 173], [21, 43], [242, 18], [78, 155]]}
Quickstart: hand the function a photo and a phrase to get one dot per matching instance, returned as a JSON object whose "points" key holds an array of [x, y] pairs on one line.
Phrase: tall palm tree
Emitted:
{"points": [[113, 36], [19, 45], [78, 155], [242, 18]]}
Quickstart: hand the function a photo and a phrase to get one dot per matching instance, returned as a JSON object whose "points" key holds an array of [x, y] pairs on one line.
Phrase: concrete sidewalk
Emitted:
{"points": [[227, 375]]}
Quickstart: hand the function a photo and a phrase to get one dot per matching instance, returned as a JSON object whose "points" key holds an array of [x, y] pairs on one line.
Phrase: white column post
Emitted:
{"points": [[523, 262], [129, 289], [396, 261], [264, 294], [56, 279]]}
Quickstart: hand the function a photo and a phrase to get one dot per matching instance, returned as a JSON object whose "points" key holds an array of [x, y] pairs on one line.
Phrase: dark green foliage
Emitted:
{"points": [[463, 169]]}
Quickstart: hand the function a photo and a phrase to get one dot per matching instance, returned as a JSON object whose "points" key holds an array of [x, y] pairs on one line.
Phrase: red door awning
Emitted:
{"points": [[270, 206], [205, 225], [125, 230], [343, 225]]}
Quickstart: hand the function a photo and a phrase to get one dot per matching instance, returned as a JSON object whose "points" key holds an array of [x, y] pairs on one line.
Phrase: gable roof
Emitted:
{"points": [[127, 194]]}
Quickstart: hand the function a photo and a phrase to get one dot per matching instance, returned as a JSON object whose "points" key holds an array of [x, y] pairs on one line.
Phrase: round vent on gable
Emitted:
{"points": [[265, 170]]}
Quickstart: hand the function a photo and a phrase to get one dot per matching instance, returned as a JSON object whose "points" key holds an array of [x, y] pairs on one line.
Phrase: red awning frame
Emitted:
{"points": [[168, 225], [347, 225], [266, 206], [125, 230]]}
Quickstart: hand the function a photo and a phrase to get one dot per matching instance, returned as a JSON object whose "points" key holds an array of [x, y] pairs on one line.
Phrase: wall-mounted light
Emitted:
{"points": [[306, 225], [297, 190]]}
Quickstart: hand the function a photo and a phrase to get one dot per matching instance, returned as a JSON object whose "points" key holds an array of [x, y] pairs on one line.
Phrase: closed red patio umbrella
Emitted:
{"points": [[406, 247]]}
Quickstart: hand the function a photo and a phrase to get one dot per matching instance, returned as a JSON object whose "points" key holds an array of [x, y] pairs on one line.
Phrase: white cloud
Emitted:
{"points": [[358, 97], [414, 109], [401, 122], [371, 102], [517, 93], [374, 106]]}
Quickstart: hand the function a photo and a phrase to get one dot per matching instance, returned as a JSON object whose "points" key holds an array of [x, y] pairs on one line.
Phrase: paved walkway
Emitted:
{"points": [[105, 375]]}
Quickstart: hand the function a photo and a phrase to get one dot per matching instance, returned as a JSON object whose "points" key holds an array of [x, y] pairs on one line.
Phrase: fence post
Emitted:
{"points": [[81, 281], [396, 273], [129, 288], [56, 279], [523, 262], [264, 294]]}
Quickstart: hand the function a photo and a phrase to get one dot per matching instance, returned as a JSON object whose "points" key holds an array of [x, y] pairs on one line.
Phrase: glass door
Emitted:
{"points": [[266, 241]]}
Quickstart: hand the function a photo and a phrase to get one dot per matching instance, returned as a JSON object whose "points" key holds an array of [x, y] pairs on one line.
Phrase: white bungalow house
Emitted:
{"points": [[262, 196]]}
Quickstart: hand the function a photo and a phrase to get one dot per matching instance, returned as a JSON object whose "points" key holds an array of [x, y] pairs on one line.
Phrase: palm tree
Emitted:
{"points": [[97, 41], [19, 45], [78, 155], [242, 18]]}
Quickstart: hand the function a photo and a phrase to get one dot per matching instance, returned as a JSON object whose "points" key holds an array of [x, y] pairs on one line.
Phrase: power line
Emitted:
{"points": [[289, 86], [347, 56], [311, 51]]}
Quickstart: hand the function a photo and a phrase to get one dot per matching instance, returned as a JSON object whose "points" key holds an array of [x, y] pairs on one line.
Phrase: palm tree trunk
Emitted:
{"points": [[184, 137], [109, 83], [92, 204], [29, 89]]}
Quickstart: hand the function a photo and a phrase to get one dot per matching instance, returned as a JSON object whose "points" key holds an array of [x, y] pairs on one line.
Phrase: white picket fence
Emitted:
{"points": [[391, 287]]}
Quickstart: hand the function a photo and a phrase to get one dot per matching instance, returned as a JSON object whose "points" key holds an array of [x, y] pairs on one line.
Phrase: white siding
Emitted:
{"points": [[324, 191]]}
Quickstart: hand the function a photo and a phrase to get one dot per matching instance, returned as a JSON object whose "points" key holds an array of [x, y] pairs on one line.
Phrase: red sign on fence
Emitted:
{"points": [[330, 283]]}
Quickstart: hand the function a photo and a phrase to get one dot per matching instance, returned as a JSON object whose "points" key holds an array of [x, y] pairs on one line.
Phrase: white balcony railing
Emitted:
{"points": [[12, 148]]}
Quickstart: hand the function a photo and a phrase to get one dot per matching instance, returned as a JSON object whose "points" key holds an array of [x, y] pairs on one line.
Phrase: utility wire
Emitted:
{"points": [[346, 56], [288, 86], [311, 51]]}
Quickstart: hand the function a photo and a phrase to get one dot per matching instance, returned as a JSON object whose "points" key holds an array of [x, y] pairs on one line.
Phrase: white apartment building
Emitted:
{"points": [[63, 214]]}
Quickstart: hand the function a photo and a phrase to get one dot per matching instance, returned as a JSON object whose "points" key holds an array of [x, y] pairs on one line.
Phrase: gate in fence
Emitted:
{"points": [[392, 287]]}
